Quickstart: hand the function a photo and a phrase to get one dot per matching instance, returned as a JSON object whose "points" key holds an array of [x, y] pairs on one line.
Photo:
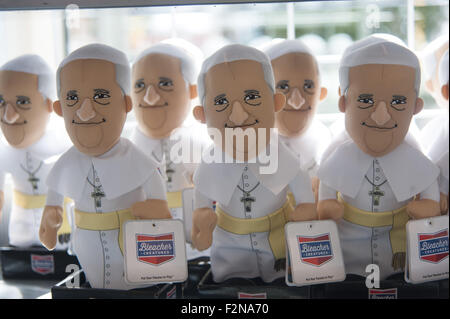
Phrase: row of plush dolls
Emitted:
{"points": [[371, 178]]}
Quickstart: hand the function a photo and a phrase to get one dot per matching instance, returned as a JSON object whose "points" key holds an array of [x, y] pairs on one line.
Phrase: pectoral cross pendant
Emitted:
{"points": [[34, 181], [247, 200], [97, 195], [169, 173], [376, 195]]}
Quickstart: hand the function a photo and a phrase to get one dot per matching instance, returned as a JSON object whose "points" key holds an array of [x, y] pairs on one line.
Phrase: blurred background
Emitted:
{"points": [[327, 27]]}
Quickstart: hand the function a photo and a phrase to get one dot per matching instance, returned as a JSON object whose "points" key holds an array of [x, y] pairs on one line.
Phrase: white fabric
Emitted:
{"points": [[34, 64], [443, 70], [131, 169], [24, 223], [189, 55], [105, 53], [428, 56], [235, 52], [248, 256], [309, 146], [376, 50], [444, 179], [345, 168], [126, 176]]}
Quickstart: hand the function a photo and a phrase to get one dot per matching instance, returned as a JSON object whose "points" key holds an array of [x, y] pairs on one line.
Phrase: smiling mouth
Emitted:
{"points": [[88, 123], [153, 106], [243, 125], [299, 110], [378, 127], [12, 124]]}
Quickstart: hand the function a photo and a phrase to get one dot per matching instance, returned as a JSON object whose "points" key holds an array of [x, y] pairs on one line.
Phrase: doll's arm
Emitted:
{"points": [[204, 220], [155, 207], [428, 204], [51, 219], [302, 190], [328, 206], [443, 188]]}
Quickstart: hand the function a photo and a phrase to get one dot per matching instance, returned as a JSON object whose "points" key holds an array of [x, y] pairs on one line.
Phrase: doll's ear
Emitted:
{"points": [[339, 91], [444, 91], [323, 93], [429, 85], [128, 103], [341, 104], [199, 114], [419, 105], [49, 105], [193, 91], [57, 108], [279, 100]]}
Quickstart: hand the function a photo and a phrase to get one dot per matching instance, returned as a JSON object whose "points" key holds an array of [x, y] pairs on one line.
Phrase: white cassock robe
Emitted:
{"points": [[177, 174], [248, 256], [29, 168], [125, 176], [309, 146], [399, 175]]}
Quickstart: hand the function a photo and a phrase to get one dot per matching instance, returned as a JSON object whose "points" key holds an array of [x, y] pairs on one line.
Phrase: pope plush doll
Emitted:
{"points": [[373, 183], [108, 178], [26, 95], [237, 92], [164, 83]]}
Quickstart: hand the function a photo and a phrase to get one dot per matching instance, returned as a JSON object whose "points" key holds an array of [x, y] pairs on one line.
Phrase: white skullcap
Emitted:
{"points": [[377, 49], [34, 64], [189, 55], [235, 52], [279, 48], [104, 53], [428, 56], [443, 70]]}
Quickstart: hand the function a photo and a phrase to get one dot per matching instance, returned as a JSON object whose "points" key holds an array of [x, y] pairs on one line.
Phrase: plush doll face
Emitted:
{"points": [[92, 104], [297, 78], [161, 96], [237, 96], [24, 112], [379, 106], [432, 85]]}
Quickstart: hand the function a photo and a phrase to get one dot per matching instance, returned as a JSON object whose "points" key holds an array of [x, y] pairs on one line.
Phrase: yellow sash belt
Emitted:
{"points": [[175, 199], [104, 221], [26, 201], [396, 218], [273, 223]]}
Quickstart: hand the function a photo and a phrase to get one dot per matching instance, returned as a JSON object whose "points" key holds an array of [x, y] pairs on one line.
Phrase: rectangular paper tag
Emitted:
{"points": [[314, 253], [427, 249], [155, 251]]}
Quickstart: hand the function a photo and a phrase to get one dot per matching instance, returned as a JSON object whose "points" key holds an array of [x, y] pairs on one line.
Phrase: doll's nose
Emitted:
{"points": [[86, 111], [296, 100], [11, 115], [151, 95], [380, 115], [238, 114]]}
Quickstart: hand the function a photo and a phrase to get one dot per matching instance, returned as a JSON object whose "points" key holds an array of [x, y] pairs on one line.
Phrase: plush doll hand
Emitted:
{"points": [[443, 203], [50, 223], [423, 208], [151, 209], [303, 212], [204, 221], [330, 209]]}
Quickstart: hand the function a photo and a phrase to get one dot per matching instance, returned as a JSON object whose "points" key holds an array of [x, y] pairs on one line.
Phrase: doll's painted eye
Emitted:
{"points": [[23, 101], [367, 100], [165, 84], [221, 102], [283, 85], [397, 101], [101, 96], [252, 97], [308, 85], [139, 85], [72, 98]]}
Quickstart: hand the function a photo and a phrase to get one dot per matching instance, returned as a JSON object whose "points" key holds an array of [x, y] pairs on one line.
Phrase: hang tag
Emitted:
{"points": [[155, 251], [314, 254], [427, 250], [188, 208]]}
